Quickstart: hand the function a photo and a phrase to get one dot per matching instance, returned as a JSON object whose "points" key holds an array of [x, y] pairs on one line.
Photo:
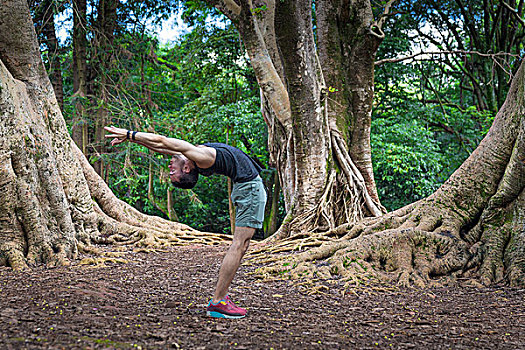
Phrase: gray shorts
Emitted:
{"points": [[249, 199]]}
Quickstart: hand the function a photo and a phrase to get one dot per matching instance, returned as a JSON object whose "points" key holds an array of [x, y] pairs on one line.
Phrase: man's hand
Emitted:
{"points": [[119, 135]]}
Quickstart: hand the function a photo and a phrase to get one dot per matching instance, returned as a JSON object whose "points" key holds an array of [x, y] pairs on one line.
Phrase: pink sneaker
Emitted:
{"points": [[225, 309]]}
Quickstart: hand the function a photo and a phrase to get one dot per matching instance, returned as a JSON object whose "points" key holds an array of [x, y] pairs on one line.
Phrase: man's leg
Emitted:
{"points": [[232, 260]]}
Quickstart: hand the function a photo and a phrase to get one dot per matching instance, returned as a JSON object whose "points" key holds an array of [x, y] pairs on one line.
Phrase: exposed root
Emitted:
{"points": [[146, 250], [118, 233], [88, 249], [335, 238], [266, 253], [406, 257]]}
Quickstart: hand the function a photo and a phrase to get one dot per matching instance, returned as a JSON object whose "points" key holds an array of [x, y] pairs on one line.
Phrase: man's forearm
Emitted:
{"points": [[160, 144], [154, 149], [149, 140]]}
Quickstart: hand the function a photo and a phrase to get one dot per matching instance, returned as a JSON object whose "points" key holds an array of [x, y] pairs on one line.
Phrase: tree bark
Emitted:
{"points": [[347, 51], [44, 18]]}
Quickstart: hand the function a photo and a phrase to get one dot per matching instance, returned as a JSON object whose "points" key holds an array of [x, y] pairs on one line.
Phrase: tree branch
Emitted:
{"points": [[376, 28], [379, 23], [514, 12], [267, 75], [457, 52], [228, 7], [153, 57], [447, 103]]}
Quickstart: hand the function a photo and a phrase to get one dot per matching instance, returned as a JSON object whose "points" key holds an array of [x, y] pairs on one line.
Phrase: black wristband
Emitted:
{"points": [[127, 134], [133, 135]]}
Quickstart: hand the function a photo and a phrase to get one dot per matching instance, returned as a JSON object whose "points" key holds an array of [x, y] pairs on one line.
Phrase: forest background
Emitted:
{"points": [[441, 74]]}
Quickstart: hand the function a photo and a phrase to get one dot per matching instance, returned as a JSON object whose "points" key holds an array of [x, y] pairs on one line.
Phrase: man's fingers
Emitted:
{"points": [[118, 135]]}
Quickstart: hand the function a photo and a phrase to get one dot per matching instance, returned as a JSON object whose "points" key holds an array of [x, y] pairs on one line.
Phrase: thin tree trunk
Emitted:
{"points": [[79, 127], [162, 207], [107, 21], [44, 18], [272, 216], [172, 215], [231, 207]]}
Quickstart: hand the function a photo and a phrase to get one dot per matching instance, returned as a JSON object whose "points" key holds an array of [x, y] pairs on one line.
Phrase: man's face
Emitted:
{"points": [[178, 166], [175, 167]]}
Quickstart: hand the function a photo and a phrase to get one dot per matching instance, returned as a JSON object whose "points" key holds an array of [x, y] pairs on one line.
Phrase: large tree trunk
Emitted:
{"points": [[348, 42], [323, 186], [52, 201], [472, 227]]}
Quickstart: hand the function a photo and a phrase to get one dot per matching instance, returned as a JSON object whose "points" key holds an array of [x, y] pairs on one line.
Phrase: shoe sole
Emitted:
{"points": [[220, 315]]}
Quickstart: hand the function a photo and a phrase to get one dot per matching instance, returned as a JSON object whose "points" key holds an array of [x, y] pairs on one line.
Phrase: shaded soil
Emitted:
{"points": [[157, 301]]}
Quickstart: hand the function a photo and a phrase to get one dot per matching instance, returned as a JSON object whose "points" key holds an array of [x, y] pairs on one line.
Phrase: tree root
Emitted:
{"points": [[407, 257], [394, 249], [345, 200]]}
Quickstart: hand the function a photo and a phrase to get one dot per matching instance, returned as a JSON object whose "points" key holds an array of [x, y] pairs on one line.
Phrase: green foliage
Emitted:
{"points": [[407, 161], [415, 147], [426, 119]]}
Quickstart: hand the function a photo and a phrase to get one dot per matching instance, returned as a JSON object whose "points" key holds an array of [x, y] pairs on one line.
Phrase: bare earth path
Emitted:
{"points": [[157, 301]]}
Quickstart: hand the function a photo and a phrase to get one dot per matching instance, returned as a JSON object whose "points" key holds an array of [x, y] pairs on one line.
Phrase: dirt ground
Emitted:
{"points": [[157, 301]]}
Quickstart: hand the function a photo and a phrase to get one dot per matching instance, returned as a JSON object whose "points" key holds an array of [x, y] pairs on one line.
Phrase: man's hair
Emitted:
{"points": [[187, 180]]}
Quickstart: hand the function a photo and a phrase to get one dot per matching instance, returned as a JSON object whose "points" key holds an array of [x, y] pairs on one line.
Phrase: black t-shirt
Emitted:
{"points": [[232, 162]]}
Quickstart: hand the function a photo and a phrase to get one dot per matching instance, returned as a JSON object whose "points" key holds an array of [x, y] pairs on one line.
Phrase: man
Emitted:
{"points": [[248, 195]]}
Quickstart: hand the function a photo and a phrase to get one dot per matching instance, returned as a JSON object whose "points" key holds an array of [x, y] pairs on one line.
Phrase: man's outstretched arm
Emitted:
{"points": [[203, 156]]}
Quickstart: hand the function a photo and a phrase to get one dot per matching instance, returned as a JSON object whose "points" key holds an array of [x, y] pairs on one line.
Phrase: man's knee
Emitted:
{"points": [[241, 239], [240, 246], [237, 245]]}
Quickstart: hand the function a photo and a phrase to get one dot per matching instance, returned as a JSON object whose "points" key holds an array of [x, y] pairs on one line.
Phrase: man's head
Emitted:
{"points": [[183, 172]]}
